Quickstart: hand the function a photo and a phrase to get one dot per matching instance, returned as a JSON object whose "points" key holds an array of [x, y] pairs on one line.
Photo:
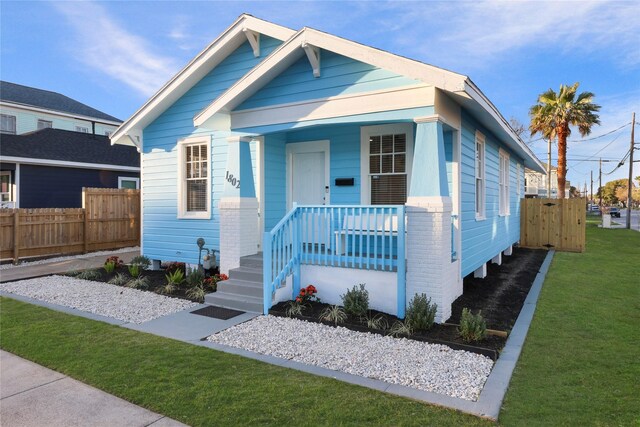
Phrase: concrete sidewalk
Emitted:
{"points": [[59, 267], [31, 395]]}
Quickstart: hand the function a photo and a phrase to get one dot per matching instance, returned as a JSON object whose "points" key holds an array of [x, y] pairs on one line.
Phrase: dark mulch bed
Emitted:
{"points": [[156, 279], [500, 296]]}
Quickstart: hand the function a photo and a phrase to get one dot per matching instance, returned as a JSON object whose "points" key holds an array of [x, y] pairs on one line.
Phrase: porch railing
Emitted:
{"points": [[363, 237]]}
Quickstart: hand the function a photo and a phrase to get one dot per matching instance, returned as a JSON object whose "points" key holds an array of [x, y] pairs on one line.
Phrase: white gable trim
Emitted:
{"points": [[294, 48], [401, 98], [194, 71]]}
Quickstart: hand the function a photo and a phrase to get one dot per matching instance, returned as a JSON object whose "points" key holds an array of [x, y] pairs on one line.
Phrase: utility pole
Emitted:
{"points": [[591, 198], [600, 184], [630, 183]]}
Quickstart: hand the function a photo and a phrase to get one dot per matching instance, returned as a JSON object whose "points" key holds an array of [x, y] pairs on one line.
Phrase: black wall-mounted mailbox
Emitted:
{"points": [[345, 182]]}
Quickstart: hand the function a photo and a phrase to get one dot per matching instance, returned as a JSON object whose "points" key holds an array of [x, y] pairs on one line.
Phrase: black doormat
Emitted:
{"points": [[217, 312]]}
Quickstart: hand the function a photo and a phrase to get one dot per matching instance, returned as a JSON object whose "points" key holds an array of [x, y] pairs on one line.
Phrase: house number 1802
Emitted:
{"points": [[233, 180]]}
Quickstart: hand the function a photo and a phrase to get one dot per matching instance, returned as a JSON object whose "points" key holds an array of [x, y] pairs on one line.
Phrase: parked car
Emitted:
{"points": [[614, 212]]}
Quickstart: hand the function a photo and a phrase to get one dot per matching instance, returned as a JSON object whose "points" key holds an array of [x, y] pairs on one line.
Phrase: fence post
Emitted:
{"points": [[16, 235], [85, 232]]}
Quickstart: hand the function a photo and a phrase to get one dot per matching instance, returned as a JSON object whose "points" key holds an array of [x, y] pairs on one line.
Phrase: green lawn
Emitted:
{"points": [[196, 385], [581, 362]]}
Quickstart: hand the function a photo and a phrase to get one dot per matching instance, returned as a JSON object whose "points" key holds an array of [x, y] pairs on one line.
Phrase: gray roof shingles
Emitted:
{"points": [[19, 94], [57, 144]]}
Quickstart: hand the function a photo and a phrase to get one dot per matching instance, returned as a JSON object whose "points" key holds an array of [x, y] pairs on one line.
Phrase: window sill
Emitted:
{"points": [[199, 215], [480, 218]]}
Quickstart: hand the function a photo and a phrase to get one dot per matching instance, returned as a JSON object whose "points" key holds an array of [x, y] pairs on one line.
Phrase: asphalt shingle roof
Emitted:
{"points": [[19, 94], [58, 144]]}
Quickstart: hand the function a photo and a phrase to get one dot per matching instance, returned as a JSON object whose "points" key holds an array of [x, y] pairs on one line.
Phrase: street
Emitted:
{"points": [[635, 219]]}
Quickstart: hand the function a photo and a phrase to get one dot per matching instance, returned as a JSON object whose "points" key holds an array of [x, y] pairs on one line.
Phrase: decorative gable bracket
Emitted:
{"points": [[313, 54], [254, 40]]}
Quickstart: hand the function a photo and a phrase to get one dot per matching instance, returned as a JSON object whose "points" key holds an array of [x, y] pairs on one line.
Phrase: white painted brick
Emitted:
{"points": [[238, 230]]}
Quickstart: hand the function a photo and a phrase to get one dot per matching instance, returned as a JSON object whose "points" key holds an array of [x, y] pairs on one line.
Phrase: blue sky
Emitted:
{"points": [[114, 55]]}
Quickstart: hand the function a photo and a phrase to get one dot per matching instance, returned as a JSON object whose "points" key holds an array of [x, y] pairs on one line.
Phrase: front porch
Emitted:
{"points": [[343, 204]]}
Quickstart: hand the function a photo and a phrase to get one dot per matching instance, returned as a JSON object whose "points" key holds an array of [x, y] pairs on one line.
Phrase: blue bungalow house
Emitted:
{"points": [[302, 157]]}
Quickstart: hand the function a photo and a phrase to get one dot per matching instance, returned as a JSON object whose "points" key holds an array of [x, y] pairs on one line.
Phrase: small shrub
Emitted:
{"points": [[294, 308], [399, 329], [473, 327], [421, 313], [175, 278], [196, 293], [109, 267], [115, 260], [72, 273], [167, 289], [173, 266], [195, 278], [89, 275], [134, 270], [334, 314], [356, 301], [138, 283], [142, 261], [119, 280], [307, 295], [377, 322]]}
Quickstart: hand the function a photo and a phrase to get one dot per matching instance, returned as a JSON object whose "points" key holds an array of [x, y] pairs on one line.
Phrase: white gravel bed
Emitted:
{"points": [[64, 258], [424, 366], [126, 304]]}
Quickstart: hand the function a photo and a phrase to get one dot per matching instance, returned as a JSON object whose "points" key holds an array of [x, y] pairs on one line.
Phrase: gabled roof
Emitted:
{"points": [[67, 146], [194, 71], [458, 86], [45, 99]]}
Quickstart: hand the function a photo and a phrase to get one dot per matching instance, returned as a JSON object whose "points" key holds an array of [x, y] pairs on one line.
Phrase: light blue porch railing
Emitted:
{"points": [[363, 237]]}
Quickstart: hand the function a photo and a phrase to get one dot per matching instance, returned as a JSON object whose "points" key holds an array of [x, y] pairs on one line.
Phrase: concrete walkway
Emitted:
{"points": [[59, 267], [31, 395]]}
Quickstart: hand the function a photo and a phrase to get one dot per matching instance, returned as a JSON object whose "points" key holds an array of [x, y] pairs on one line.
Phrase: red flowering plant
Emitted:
{"points": [[307, 295], [112, 263], [212, 281]]}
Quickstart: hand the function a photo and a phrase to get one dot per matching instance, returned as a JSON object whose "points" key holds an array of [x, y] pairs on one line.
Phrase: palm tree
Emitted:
{"points": [[553, 115]]}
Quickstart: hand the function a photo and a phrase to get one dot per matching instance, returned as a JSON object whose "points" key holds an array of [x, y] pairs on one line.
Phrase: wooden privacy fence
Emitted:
{"points": [[109, 219], [553, 224]]}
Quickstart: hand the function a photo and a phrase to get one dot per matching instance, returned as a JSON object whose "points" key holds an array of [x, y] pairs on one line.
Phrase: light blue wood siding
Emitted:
{"points": [[339, 75], [484, 239], [164, 236]]}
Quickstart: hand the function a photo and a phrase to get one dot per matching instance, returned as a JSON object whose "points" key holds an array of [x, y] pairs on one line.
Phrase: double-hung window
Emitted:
{"points": [[7, 124], [82, 129], [504, 182], [194, 187], [44, 124], [388, 153], [480, 181]]}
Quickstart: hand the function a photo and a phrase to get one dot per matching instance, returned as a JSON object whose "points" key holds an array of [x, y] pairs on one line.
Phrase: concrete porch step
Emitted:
{"points": [[252, 261], [239, 287], [236, 302], [249, 274]]}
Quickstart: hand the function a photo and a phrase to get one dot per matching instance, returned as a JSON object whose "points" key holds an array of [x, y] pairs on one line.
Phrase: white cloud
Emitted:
{"points": [[109, 48], [476, 32]]}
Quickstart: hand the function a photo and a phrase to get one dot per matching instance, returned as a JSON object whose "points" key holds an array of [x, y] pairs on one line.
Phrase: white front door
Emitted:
{"points": [[308, 173], [308, 184]]}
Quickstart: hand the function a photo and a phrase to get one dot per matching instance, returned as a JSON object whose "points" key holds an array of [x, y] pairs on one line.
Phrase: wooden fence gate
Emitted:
{"points": [[553, 224], [109, 219]]}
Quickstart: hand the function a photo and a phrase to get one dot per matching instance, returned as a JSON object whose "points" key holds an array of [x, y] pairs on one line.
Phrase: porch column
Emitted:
{"points": [[238, 206], [429, 266]]}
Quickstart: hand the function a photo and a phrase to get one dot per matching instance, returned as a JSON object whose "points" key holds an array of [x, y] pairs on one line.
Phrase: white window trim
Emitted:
{"points": [[128, 178], [365, 133], [182, 172], [15, 125], [504, 188], [49, 122], [480, 211], [518, 181]]}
